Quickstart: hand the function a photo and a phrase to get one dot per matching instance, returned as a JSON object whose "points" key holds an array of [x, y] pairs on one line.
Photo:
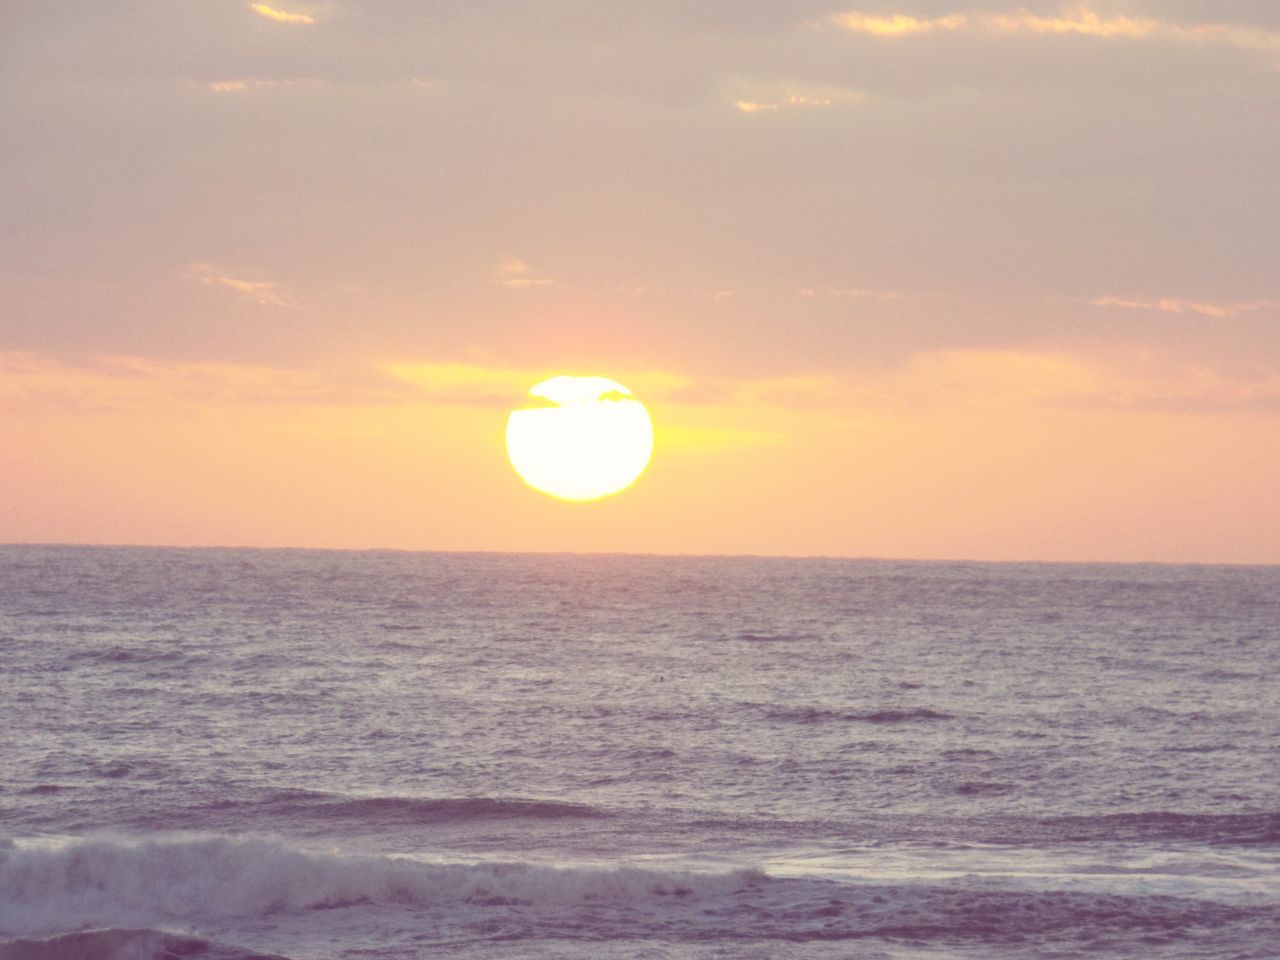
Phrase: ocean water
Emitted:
{"points": [[228, 753]]}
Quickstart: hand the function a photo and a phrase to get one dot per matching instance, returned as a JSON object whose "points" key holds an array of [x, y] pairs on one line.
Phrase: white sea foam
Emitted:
{"points": [[101, 882], [229, 888]]}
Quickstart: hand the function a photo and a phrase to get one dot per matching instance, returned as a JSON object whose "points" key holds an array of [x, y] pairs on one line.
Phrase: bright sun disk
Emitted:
{"points": [[580, 438]]}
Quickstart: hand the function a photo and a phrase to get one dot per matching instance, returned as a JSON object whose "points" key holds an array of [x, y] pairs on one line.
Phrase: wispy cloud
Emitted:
{"points": [[931, 380], [943, 380], [466, 384], [1073, 21], [1174, 305], [973, 380], [755, 106], [242, 85], [862, 293], [264, 292], [505, 387], [897, 25], [515, 273], [1142, 381], [952, 380], [1080, 20], [118, 383], [280, 16], [770, 97], [138, 382], [245, 84], [931, 383]]}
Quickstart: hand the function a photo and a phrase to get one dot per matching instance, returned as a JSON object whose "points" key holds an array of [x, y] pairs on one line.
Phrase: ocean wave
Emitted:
{"points": [[235, 883], [905, 716], [1236, 829], [983, 788], [309, 805], [824, 715], [780, 637], [101, 882], [118, 944], [124, 654], [1201, 748]]}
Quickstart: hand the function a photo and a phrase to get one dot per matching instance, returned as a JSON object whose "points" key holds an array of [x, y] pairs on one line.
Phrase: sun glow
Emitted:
{"points": [[580, 438]]}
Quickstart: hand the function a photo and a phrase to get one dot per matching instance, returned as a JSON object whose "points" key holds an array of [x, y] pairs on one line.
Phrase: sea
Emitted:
{"points": [[234, 753]]}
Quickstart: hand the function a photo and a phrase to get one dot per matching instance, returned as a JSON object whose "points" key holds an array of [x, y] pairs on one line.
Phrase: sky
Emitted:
{"points": [[900, 279]]}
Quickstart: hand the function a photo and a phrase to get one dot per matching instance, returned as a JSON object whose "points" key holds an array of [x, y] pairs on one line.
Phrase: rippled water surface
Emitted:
{"points": [[324, 755]]}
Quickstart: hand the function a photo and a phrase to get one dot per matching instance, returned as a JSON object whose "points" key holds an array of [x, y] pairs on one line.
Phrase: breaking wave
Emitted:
{"points": [[111, 882], [125, 945], [193, 883]]}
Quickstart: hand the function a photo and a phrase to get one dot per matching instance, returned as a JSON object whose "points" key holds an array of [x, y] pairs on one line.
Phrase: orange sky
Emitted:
{"points": [[995, 455], [918, 280]]}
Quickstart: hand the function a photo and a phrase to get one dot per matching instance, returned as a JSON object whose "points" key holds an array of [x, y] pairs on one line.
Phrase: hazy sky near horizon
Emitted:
{"points": [[933, 279]]}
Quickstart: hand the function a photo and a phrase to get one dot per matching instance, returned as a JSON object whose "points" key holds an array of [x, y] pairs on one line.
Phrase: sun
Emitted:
{"points": [[580, 438]]}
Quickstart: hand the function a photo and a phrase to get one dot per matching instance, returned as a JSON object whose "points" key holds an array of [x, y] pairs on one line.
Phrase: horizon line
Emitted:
{"points": [[640, 554]]}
